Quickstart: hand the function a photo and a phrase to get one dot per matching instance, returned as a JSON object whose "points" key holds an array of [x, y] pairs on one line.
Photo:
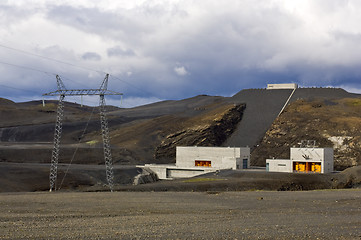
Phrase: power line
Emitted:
{"points": [[30, 91], [69, 64], [27, 68], [142, 90], [48, 58], [2, 85], [77, 147], [33, 69]]}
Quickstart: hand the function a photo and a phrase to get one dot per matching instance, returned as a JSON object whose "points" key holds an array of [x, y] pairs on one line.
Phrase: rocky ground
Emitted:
{"points": [[330, 214], [30, 177]]}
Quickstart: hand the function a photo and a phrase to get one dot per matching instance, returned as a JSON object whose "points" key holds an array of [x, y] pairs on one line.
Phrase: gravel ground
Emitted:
{"points": [[327, 214]]}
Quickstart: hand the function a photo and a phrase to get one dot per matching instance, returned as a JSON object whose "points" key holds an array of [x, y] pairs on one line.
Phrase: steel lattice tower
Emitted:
{"points": [[62, 92]]}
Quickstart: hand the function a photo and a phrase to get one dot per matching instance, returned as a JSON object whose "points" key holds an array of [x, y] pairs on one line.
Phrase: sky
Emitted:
{"points": [[174, 49]]}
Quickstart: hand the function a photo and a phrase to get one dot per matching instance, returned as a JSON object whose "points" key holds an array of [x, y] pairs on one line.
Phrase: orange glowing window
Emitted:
{"points": [[307, 167], [200, 163]]}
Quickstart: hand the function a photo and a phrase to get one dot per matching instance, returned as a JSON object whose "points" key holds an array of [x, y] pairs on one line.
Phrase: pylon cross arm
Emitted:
{"points": [[62, 92], [81, 92]]}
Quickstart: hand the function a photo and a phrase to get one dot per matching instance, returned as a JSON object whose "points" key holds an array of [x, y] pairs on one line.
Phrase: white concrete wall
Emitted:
{"points": [[220, 157], [328, 161], [160, 170], [307, 154], [323, 155], [186, 173], [282, 86], [168, 171], [279, 165]]}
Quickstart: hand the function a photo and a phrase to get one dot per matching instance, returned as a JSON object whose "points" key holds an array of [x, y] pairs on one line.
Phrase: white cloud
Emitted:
{"points": [[221, 45], [181, 71]]}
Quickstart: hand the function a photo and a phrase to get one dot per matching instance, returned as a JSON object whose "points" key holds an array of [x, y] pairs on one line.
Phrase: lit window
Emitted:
{"points": [[201, 163]]}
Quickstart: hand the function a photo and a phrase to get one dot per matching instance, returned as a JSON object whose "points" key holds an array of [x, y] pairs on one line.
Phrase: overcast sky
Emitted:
{"points": [[168, 49]]}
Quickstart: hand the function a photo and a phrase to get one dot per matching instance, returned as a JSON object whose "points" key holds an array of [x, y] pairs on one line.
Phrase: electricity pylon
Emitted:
{"points": [[62, 92]]}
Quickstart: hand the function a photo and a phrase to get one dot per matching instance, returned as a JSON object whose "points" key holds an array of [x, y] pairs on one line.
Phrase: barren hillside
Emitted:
{"points": [[150, 133], [332, 123]]}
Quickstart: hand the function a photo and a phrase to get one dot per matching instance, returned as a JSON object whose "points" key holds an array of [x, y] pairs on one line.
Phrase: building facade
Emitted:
{"points": [[213, 157], [304, 160], [194, 161], [282, 86]]}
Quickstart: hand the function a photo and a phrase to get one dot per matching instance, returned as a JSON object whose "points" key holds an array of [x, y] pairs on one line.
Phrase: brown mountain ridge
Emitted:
{"points": [[150, 133]]}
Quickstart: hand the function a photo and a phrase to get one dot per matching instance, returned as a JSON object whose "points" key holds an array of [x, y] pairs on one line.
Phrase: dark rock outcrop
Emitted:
{"points": [[212, 134], [146, 176]]}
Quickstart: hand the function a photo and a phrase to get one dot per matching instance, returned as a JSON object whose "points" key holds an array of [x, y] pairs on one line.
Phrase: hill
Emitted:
{"points": [[263, 107], [332, 123], [150, 134], [137, 134]]}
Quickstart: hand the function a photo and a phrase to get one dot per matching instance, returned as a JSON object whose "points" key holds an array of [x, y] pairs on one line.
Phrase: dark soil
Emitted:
{"points": [[16, 177]]}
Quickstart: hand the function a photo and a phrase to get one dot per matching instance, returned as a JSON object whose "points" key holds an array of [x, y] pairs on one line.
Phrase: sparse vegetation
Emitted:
{"points": [[149, 134], [315, 120], [92, 142], [194, 180]]}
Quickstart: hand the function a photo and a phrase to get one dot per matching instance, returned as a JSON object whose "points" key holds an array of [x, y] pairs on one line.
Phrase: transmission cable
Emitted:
{"points": [[69, 64], [76, 149], [28, 68], [48, 58], [37, 70], [139, 89]]}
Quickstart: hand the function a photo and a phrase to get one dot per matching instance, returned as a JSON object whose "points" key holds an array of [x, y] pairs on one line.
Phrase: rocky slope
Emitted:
{"points": [[154, 140], [149, 133], [209, 130], [27, 130], [332, 123]]}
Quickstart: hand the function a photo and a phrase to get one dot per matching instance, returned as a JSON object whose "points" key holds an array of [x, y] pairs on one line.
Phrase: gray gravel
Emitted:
{"points": [[328, 214]]}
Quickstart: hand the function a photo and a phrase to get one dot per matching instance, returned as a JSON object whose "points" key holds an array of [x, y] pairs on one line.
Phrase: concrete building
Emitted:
{"points": [[214, 157], [282, 86], [194, 161], [305, 160]]}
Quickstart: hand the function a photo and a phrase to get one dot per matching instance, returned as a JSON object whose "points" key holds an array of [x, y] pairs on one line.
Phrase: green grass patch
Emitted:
{"points": [[49, 107], [91, 143], [354, 102], [192, 180]]}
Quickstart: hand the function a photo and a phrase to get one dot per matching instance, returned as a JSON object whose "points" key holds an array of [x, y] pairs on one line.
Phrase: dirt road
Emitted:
{"points": [[328, 214]]}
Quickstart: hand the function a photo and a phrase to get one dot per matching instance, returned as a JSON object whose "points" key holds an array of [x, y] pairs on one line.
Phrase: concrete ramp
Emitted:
{"points": [[262, 108]]}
